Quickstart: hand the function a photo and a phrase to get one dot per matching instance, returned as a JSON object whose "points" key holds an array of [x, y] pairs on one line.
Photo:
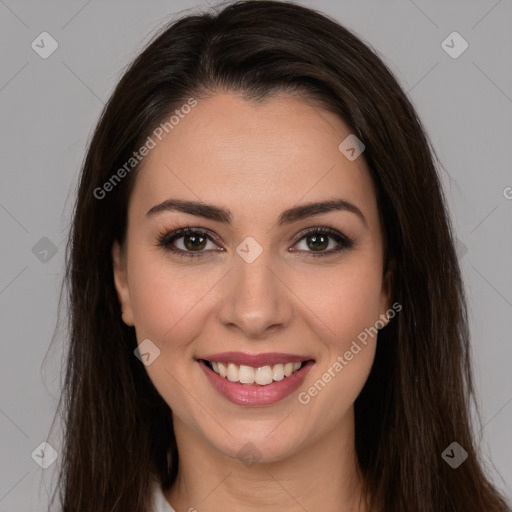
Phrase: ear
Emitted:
{"points": [[121, 283], [387, 291]]}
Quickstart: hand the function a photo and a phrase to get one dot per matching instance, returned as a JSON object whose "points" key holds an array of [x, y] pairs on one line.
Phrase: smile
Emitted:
{"points": [[263, 375], [255, 384]]}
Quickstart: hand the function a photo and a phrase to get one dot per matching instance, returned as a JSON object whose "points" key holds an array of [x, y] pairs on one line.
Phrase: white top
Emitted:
{"points": [[160, 502], [162, 505]]}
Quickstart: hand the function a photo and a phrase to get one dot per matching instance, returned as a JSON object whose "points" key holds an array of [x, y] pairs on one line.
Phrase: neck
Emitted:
{"points": [[323, 475]]}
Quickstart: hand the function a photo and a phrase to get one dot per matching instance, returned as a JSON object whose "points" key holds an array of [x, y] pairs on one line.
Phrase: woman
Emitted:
{"points": [[266, 307]]}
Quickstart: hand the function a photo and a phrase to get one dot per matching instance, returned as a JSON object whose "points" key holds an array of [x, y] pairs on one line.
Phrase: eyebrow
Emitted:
{"points": [[219, 214]]}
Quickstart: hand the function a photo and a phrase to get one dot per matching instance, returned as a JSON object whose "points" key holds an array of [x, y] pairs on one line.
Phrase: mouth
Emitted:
{"points": [[243, 384], [249, 375]]}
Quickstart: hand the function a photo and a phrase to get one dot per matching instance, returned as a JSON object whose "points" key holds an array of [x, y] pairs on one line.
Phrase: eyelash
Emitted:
{"points": [[166, 238]]}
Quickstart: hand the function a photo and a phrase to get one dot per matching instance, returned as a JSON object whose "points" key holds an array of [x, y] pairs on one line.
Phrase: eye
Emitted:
{"points": [[318, 240], [192, 241]]}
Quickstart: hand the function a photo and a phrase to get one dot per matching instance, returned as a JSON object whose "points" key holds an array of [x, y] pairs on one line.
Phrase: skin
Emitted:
{"points": [[256, 159]]}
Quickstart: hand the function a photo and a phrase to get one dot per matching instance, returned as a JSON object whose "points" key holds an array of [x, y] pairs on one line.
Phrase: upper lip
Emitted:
{"points": [[255, 360]]}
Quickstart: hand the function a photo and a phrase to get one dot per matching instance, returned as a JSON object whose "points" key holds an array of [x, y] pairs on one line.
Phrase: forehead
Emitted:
{"points": [[252, 157]]}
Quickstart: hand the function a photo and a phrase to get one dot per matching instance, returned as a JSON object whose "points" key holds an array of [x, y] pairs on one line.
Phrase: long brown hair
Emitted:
{"points": [[416, 402]]}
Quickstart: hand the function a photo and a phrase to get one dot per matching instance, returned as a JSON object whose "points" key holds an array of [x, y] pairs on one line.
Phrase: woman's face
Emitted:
{"points": [[258, 276]]}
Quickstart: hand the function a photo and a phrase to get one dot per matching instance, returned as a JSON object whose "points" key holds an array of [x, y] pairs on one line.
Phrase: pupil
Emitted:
{"points": [[194, 239], [316, 245]]}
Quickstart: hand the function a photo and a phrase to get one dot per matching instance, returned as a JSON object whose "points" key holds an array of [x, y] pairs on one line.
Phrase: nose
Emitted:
{"points": [[256, 300]]}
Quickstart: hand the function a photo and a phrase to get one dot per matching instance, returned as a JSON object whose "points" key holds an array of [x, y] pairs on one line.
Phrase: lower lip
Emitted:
{"points": [[254, 394]]}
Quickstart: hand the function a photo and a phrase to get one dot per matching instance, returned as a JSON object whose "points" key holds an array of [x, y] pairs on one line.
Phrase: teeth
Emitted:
{"points": [[263, 375], [223, 371], [246, 374], [233, 372], [278, 372], [249, 375]]}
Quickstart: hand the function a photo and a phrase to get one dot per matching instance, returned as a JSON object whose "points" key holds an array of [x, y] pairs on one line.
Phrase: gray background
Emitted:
{"points": [[50, 107]]}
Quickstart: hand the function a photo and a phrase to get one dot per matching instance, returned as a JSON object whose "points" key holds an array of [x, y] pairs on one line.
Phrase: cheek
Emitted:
{"points": [[165, 300], [348, 301], [350, 311], [167, 305], [331, 394]]}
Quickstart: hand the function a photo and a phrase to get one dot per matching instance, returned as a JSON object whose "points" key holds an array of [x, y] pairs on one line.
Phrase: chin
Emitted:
{"points": [[261, 449]]}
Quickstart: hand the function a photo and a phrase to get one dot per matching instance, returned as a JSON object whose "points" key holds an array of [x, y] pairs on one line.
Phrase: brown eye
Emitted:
{"points": [[193, 242], [318, 240], [186, 242]]}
